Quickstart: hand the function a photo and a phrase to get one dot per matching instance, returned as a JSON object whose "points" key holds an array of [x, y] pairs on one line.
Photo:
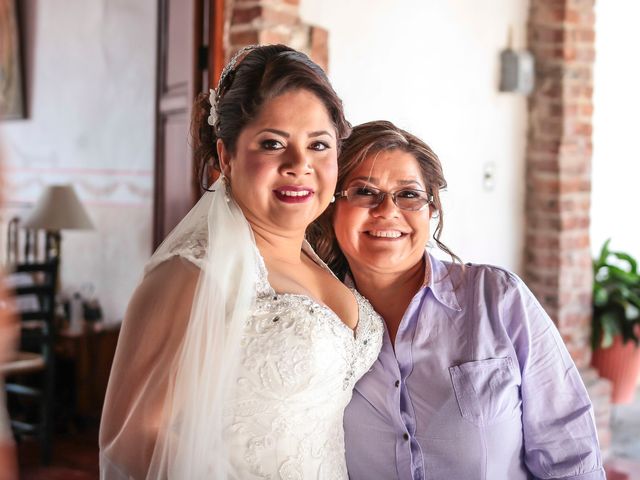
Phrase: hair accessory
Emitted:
{"points": [[213, 114], [216, 94]]}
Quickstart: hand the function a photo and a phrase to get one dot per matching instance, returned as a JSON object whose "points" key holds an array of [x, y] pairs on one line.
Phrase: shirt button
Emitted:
{"points": [[405, 436], [397, 384]]}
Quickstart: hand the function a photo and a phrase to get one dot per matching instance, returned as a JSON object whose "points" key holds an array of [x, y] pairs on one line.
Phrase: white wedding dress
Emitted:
{"points": [[297, 365]]}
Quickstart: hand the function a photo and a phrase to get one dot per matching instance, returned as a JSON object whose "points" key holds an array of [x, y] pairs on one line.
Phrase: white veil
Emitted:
{"points": [[181, 437]]}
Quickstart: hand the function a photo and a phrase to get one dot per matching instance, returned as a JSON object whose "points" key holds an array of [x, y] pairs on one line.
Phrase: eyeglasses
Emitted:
{"points": [[369, 197]]}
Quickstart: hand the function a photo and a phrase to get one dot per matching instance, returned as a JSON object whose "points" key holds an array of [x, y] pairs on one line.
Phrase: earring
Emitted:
{"points": [[333, 199], [227, 187]]}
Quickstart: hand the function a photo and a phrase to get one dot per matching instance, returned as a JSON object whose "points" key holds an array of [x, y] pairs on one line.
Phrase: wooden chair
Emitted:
{"points": [[36, 354]]}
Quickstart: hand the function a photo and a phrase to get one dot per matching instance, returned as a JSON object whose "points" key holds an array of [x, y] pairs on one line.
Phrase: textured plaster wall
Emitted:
{"points": [[90, 69], [432, 68]]}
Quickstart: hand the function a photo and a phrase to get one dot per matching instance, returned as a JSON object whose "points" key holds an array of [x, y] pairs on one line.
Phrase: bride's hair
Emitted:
{"points": [[264, 73], [369, 139]]}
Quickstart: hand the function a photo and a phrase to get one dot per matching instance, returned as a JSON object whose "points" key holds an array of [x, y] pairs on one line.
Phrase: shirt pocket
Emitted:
{"points": [[487, 391]]}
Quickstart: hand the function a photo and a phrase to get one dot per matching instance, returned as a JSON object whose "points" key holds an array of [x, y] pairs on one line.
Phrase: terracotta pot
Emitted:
{"points": [[619, 363]]}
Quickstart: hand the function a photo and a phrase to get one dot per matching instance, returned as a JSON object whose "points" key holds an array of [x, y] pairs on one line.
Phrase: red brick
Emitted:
{"points": [[261, 16], [319, 38], [587, 19], [569, 52], [579, 73], [550, 34], [272, 37], [572, 16], [580, 91], [245, 15], [575, 222], [543, 185], [243, 38], [539, 241], [548, 279], [279, 17], [586, 110], [582, 129], [573, 320], [586, 36], [551, 126], [546, 146], [575, 241]]}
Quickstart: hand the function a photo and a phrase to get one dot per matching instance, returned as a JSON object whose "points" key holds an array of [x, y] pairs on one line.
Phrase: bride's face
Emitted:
{"points": [[284, 169]]}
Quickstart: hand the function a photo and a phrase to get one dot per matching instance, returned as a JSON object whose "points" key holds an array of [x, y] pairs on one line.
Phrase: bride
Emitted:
{"points": [[239, 350]]}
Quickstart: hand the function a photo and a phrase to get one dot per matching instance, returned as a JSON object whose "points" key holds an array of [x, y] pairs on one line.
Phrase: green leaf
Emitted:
{"points": [[607, 340], [604, 253], [633, 264], [634, 298], [623, 276], [610, 328], [600, 295]]}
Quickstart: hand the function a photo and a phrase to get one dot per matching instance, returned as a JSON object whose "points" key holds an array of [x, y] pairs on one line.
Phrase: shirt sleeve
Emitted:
{"points": [[560, 438]]}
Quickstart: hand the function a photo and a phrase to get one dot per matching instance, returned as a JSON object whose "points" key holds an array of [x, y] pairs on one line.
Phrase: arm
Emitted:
{"points": [[560, 437], [8, 335], [143, 368]]}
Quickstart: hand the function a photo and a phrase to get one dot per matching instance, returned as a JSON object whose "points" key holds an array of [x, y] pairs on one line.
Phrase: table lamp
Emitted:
{"points": [[58, 208]]}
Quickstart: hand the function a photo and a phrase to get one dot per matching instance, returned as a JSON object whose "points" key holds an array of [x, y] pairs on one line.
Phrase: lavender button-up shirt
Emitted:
{"points": [[480, 387]]}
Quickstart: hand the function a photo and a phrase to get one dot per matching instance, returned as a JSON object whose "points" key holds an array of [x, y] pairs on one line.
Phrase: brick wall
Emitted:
{"points": [[558, 184], [274, 21]]}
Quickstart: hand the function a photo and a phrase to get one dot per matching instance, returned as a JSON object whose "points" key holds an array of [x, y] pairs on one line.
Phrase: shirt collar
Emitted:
{"points": [[440, 282]]}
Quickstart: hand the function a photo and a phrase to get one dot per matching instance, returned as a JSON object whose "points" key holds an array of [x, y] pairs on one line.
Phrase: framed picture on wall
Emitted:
{"points": [[11, 88]]}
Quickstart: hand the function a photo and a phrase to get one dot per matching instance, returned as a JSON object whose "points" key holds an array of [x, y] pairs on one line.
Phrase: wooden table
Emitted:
{"points": [[90, 355]]}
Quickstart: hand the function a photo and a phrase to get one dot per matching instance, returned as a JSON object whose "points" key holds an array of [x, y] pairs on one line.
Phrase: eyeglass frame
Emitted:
{"points": [[382, 195]]}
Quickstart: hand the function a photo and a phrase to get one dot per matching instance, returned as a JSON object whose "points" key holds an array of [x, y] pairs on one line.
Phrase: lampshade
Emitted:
{"points": [[59, 208]]}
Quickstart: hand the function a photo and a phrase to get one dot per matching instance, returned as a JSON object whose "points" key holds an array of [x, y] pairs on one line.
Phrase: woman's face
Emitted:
{"points": [[283, 172], [383, 239]]}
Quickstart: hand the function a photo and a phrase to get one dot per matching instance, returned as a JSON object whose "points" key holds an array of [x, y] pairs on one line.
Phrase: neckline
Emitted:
{"points": [[263, 273]]}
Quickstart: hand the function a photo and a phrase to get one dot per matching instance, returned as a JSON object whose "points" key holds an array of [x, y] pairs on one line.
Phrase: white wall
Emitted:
{"points": [[91, 90], [432, 68], [616, 128]]}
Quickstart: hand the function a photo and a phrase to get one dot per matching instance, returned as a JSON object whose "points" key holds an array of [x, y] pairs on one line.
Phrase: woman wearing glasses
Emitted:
{"points": [[473, 380]]}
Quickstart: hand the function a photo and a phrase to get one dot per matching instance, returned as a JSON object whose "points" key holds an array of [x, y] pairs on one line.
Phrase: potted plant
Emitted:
{"points": [[616, 321]]}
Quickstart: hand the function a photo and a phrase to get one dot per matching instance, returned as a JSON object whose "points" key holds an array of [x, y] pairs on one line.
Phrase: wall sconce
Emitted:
{"points": [[517, 70]]}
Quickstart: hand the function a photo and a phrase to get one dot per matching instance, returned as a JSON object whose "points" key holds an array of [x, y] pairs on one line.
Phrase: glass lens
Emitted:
{"points": [[369, 197], [364, 196], [411, 199]]}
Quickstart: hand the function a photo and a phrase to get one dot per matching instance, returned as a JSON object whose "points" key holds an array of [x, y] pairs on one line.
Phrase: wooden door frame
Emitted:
{"points": [[209, 42], [217, 58]]}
